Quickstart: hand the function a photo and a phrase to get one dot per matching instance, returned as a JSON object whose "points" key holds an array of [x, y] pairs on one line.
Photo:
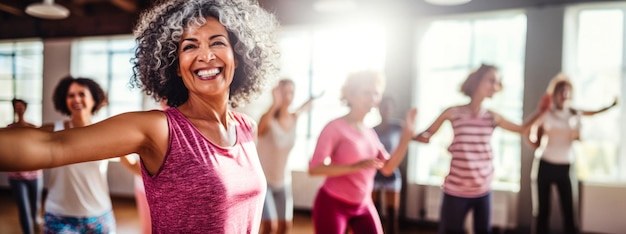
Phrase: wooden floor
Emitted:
{"points": [[127, 220]]}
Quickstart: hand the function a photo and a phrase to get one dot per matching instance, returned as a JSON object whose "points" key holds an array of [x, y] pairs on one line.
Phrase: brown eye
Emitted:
{"points": [[188, 46]]}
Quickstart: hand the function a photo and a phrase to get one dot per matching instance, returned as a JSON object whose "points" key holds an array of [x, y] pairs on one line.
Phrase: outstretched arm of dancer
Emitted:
{"points": [[400, 152], [424, 136], [24, 149], [337, 170], [590, 113], [307, 105], [544, 106], [264, 122]]}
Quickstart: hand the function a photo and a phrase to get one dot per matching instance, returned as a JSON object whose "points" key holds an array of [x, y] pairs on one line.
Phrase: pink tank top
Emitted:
{"points": [[205, 188]]}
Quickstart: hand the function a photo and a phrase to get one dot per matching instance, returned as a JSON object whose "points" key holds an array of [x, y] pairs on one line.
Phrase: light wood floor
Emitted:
{"points": [[127, 220]]}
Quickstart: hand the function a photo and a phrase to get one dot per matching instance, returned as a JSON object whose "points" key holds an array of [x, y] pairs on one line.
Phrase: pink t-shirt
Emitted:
{"points": [[345, 145], [205, 188]]}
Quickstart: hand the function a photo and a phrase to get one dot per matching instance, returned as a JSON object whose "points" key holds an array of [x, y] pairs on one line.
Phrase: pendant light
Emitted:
{"points": [[47, 10], [447, 2]]}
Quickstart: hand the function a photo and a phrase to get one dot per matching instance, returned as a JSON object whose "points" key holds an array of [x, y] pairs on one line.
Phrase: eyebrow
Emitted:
{"points": [[210, 38]]}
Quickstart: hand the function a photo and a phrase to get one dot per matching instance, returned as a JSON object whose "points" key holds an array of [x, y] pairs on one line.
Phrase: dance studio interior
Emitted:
{"points": [[424, 48]]}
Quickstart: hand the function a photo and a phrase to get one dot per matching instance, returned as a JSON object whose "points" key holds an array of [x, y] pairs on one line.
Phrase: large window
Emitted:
{"points": [[318, 60], [21, 66], [107, 61], [448, 51], [594, 60]]}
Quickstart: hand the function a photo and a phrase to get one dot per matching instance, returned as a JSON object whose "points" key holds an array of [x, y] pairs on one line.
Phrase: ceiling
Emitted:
{"points": [[87, 17], [115, 17]]}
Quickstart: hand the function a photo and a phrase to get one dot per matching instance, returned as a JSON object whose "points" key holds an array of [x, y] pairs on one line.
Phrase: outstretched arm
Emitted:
{"points": [[337, 170], [544, 106], [28, 149], [424, 136], [590, 113], [307, 105], [399, 153], [532, 137], [264, 122]]}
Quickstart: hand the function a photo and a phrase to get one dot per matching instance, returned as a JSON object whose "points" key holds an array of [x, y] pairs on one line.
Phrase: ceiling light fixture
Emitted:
{"points": [[47, 10], [447, 2]]}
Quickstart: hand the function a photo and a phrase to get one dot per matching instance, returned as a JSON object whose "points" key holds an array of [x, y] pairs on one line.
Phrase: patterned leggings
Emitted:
{"points": [[72, 225]]}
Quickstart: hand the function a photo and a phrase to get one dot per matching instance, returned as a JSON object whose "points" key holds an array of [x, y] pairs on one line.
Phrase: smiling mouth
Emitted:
{"points": [[208, 73], [76, 107]]}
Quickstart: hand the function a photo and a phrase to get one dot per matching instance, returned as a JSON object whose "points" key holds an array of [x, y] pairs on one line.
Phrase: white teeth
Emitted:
{"points": [[209, 72]]}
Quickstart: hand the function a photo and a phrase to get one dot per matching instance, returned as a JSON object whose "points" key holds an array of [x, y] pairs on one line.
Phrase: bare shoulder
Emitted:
{"points": [[152, 129], [148, 121], [449, 112]]}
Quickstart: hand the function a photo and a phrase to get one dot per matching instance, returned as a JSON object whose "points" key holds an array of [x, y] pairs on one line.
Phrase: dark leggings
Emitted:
{"points": [[557, 174], [454, 210], [27, 194]]}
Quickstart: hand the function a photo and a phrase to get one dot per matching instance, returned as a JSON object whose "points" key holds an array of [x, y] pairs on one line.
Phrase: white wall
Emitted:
{"points": [[603, 208], [305, 189]]}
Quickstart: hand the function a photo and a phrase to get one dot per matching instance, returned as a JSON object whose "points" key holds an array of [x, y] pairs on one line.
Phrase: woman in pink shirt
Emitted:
{"points": [[348, 153]]}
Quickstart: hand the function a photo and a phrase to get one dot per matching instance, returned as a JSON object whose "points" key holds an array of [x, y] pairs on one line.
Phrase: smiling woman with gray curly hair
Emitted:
{"points": [[159, 31], [199, 161]]}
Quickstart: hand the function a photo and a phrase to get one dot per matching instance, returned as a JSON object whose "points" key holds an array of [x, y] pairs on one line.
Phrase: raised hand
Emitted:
{"points": [[277, 94], [545, 104], [408, 127]]}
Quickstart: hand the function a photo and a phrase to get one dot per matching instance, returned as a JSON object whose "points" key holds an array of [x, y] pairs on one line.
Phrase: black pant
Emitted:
{"points": [[557, 174]]}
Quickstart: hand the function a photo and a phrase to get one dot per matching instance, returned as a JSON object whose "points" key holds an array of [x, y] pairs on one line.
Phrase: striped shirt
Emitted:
{"points": [[471, 168]]}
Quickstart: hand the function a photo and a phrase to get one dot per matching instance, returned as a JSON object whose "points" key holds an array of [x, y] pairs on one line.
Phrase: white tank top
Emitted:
{"points": [[78, 190], [559, 127], [273, 148]]}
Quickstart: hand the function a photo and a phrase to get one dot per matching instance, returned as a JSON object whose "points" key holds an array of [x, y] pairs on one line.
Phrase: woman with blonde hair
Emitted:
{"points": [[349, 153]]}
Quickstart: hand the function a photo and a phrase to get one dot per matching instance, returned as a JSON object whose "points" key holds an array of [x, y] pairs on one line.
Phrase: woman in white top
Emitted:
{"points": [[552, 137], [78, 198], [277, 133]]}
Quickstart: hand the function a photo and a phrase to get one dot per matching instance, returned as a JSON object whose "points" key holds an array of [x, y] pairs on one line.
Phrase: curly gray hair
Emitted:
{"points": [[159, 31]]}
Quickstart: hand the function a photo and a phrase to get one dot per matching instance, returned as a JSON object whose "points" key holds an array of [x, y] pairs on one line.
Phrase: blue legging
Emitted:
{"points": [[454, 210], [27, 195], [103, 224], [278, 203]]}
